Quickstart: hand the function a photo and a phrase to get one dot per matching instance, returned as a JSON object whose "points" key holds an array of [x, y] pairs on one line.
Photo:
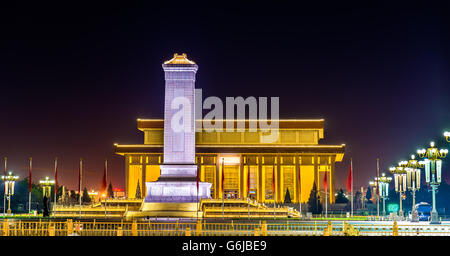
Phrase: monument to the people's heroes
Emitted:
{"points": [[176, 191]]}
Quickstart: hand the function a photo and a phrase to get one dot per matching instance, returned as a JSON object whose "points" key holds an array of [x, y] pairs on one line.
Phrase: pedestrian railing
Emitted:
{"points": [[14, 227]]}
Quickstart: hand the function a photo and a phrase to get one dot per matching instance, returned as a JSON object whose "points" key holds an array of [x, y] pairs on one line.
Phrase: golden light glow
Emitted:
{"points": [[92, 193], [179, 59], [230, 160]]}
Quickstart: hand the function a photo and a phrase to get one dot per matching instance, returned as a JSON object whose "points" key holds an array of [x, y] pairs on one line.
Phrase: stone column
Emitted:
{"points": [[278, 178], [316, 171], [127, 174], [218, 180], [177, 183], [241, 178], [260, 191], [332, 179], [297, 180], [144, 174]]}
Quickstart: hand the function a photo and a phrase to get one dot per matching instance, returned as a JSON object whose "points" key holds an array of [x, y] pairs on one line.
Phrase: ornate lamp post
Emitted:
{"points": [[9, 180], [46, 187], [46, 192], [412, 168], [383, 187], [447, 136], [433, 169], [400, 184]]}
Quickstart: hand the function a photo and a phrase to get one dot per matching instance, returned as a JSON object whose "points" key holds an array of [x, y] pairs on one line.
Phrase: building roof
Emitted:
{"points": [[179, 59], [283, 123]]}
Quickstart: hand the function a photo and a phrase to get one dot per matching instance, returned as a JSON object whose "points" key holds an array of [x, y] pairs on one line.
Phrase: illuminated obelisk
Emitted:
{"points": [[178, 180]]}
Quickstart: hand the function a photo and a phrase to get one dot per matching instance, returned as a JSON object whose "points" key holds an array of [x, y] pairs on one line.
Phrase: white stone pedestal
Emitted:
{"points": [[176, 191], [177, 184]]}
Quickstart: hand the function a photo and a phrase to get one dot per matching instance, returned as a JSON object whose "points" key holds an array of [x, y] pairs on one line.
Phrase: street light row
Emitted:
{"points": [[407, 177], [9, 182]]}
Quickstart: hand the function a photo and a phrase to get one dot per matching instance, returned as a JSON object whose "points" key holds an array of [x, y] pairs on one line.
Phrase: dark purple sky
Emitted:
{"points": [[75, 78]]}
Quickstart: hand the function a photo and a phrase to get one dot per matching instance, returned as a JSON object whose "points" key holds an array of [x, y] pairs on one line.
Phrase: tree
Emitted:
{"points": [[19, 202], [340, 198], [287, 197], [110, 191], [73, 197], [369, 194], [85, 198], [138, 191], [314, 205]]}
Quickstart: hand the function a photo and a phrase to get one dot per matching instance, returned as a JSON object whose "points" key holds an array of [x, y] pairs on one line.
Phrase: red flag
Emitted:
{"points": [[79, 177], [56, 176], [349, 179], [378, 167], [103, 189], [198, 177], [4, 173], [325, 183], [29, 177]]}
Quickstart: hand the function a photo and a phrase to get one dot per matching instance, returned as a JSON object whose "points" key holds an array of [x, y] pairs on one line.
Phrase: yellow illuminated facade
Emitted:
{"points": [[296, 158]]}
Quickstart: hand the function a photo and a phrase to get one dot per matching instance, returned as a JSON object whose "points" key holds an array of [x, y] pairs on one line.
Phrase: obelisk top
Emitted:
{"points": [[179, 59]]}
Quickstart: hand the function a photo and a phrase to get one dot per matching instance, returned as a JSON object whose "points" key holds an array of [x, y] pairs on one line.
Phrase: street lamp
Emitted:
{"points": [[383, 188], [9, 180], [447, 136], [46, 187], [412, 167], [433, 169], [374, 185], [46, 192], [400, 184]]}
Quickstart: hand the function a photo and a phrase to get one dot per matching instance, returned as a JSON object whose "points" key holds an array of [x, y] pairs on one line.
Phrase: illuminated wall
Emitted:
{"points": [[311, 160], [261, 177], [134, 174], [286, 137], [307, 181]]}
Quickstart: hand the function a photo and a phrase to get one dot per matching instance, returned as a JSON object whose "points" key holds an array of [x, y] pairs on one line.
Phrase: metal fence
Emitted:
{"points": [[11, 227]]}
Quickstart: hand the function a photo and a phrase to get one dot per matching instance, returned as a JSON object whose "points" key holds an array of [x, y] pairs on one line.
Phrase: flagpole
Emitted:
{"points": [[274, 189], [376, 184], [29, 189], [248, 189], [56, 182], [300, 199], [106, 173], [198, 179], [300, 190], [326, 201], [4, 190], [351, 190], [80, 181], [326, 194], [223, 189]]}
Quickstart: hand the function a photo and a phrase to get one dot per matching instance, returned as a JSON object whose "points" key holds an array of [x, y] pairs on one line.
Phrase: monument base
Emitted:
{"points": [[167, 210], [179, 210], [177, 192]]}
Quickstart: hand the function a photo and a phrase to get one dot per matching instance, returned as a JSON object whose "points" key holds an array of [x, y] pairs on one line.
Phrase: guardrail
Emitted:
{"points": [[11, 227]]}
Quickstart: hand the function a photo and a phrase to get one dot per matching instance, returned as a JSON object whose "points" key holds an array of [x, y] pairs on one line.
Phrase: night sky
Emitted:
{"points": [[74, 79]]}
